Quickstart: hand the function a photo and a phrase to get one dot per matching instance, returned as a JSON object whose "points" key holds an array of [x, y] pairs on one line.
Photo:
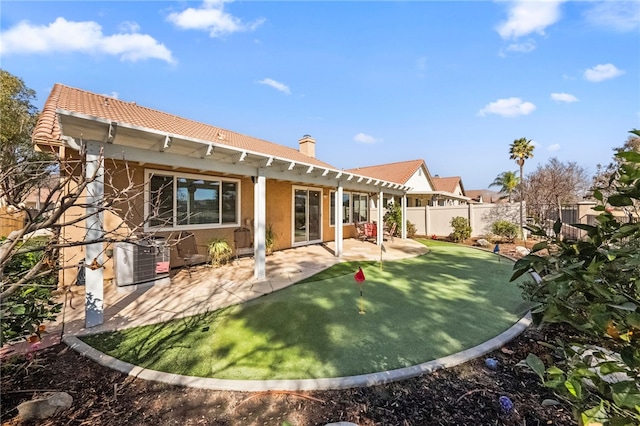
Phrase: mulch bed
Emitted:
{"points": [[464, 395]]}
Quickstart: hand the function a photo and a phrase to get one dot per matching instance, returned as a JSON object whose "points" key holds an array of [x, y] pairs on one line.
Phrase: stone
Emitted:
{"points": [[483, 243], [43, 408], [523, 251]]}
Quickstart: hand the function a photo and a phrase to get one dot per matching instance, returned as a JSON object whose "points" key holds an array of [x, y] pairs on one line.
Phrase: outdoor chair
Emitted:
{"points": [[360, 231], [371, 231], [389, 231], [186, 251], [243, 242]]}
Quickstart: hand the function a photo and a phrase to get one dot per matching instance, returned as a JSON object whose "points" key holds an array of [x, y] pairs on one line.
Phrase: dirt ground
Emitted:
{"points": [[464, 395]]}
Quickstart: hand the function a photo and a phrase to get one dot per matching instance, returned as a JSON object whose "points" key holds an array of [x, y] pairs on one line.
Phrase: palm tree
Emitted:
{"points": [[507, 181], [520, 150]]}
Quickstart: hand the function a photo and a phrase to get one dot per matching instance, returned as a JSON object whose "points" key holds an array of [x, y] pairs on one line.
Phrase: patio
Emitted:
{"points": [[204, 288]]}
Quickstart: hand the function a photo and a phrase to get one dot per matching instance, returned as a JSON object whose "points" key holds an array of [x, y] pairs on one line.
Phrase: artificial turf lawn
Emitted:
{"points": [[417, 310]]}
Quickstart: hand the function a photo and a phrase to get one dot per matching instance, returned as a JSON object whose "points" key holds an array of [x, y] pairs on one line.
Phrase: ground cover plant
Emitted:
{"points": [[417, 310]]}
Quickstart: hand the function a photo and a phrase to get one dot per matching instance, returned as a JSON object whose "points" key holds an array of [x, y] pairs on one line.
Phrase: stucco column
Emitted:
{"points": [[260, 219], [339, 218], [403, 206], [94, 272]]}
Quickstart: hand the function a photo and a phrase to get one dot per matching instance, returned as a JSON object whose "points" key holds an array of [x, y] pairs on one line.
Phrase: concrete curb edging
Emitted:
{"points": [[362, 380]]}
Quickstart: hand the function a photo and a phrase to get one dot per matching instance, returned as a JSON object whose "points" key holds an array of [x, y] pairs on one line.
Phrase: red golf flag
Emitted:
{"points": [[359, 277]]}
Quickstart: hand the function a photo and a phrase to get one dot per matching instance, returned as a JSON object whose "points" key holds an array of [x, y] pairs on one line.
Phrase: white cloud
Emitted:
{"points": [[526, 17], [211, 17], [509, 107], [526, 47], [602, 72], [276, 85], [618, 15], [364, 138], [554, 147], [85, 37], [564, 97], [113, 95], [129, 27]]}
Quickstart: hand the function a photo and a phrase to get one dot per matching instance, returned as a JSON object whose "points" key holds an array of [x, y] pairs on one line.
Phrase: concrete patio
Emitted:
{"points": [[204, 288]]}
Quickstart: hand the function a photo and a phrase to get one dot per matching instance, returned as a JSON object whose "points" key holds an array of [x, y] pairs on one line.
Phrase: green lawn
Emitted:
{"points": [[417, 310]]}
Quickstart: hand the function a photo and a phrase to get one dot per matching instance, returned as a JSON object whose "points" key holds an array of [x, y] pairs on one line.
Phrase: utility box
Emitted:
{"points": [[141, 262]]}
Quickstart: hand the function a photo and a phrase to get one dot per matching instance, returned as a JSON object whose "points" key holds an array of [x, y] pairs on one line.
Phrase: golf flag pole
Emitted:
{"points": [[496, 250], [359, 277], [382, 249]]}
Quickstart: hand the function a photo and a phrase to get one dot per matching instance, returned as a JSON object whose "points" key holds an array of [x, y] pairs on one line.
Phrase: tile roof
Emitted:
{"points": [[398, 172], [62, 97], [447, 184], [488, 196]]}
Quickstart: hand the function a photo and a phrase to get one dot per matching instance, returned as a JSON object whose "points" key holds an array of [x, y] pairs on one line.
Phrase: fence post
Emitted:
{"points": [[426, 220]]}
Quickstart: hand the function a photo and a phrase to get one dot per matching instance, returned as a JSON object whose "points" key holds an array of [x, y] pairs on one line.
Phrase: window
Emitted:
{"points": [[177, 201], [355, 208], [360, 208]]}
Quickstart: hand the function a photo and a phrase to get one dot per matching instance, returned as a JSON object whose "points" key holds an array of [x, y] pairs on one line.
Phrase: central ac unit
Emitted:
{"points": [[139, 262]]}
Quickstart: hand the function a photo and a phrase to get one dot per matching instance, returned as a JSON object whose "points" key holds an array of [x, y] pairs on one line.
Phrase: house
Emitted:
{"points": [[423, 188], [199, 178], [450, 191], [484, 196]]}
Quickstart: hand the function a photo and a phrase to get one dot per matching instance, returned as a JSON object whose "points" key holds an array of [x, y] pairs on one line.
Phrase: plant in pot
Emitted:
{"points": [[219, 251], [269, 240]]}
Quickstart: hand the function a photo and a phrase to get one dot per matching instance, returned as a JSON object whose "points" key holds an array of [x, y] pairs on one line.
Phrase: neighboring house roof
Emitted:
{"points": [[448, 184], [399, 172], [66, 98], [487, 195]]}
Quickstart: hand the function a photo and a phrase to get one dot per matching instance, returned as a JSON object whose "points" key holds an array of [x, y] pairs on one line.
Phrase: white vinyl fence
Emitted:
{"points": [[435, 220]]}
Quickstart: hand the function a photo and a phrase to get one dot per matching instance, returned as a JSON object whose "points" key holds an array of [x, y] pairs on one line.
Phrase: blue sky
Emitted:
{"points": [[453, 83]]}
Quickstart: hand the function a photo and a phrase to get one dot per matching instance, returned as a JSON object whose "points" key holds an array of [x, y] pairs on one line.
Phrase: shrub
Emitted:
{"points": [[592, 285], [219, 251], [23, 312], [393, 215], [461, 229], [505, 229], [411, 230]]}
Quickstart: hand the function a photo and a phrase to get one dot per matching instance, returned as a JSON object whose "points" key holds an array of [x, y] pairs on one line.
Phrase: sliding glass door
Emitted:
{"points": [[307, 223]]}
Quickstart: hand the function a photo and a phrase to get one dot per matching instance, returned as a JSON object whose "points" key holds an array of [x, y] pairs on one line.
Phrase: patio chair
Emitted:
{"points": [[187, 251], [360, 231], [243, 242], [371, 231], [389, 231]]}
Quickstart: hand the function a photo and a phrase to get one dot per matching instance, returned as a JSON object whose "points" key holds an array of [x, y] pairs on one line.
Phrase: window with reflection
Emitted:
{"points": [[176, 201]]}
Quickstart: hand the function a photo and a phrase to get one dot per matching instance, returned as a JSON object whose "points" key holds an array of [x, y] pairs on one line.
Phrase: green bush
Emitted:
{"points": [[219, 251], [461, 228], [594, 286], [411, 230], [25, 310], [393, 215], [505, 229]]}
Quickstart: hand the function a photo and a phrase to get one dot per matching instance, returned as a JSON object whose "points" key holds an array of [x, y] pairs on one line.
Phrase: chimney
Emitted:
{"points": [[308, 146]]}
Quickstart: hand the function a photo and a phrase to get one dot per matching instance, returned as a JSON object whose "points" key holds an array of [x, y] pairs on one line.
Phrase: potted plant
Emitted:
{"points": [[269, 240], [219, 251]]}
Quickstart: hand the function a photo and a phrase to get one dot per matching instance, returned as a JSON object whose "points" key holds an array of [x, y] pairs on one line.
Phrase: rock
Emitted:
{"points": [[523, 251], [491, 363], [483, 243], [43, 408]]}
